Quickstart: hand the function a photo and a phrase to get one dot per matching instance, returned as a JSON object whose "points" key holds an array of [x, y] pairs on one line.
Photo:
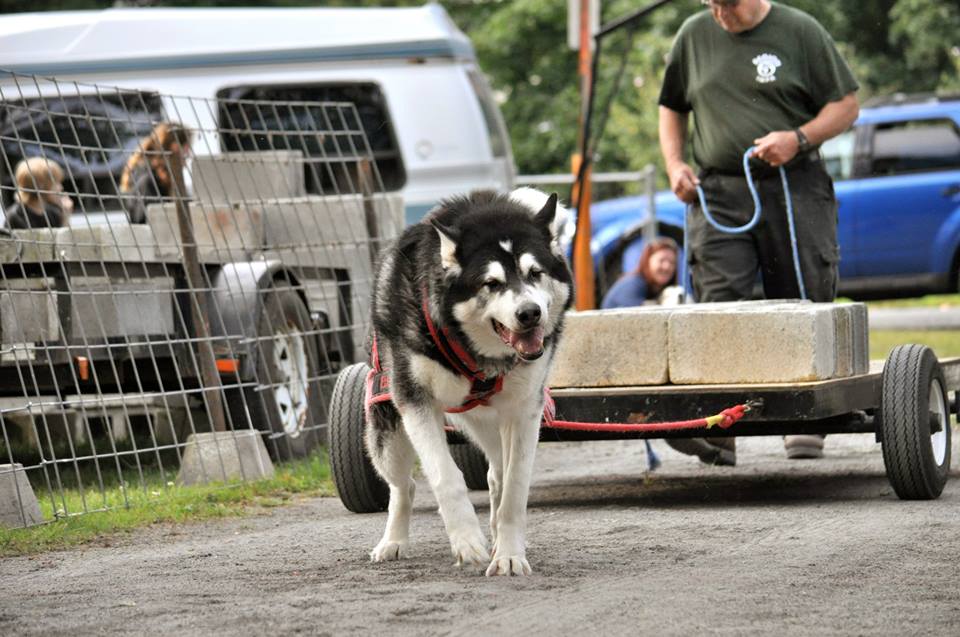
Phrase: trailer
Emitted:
{"points": [[904, 401]]}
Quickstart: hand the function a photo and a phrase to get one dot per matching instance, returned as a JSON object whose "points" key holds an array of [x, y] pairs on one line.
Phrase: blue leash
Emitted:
{"points": [[747, 226]]}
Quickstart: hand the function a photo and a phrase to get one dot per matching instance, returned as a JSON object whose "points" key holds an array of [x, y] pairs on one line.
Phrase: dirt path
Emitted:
{"points": [[802, 547]]}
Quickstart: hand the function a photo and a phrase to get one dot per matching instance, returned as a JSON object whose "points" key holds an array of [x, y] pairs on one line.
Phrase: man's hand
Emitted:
{"points": [[683, 181], [776, 148]]}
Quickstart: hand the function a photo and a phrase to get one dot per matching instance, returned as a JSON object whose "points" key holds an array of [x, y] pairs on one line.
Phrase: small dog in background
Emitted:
{"points": [[468, 308]]}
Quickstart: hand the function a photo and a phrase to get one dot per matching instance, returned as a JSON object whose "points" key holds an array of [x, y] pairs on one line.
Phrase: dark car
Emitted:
{"points": [[897, 178]]}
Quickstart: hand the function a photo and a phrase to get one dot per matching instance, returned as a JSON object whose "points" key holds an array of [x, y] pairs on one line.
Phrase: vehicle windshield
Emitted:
{"points": [[838, 155]]}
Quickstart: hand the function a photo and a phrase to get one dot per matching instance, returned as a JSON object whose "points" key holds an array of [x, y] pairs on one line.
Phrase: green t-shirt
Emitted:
{"points": [[741, 86]]}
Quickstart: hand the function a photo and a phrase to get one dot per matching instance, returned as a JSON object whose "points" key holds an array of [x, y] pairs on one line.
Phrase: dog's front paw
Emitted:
{"points": [[509, 565], [470, 548], [388, 550]]}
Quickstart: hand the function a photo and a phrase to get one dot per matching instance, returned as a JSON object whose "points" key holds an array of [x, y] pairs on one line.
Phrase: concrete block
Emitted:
{"points": [[27, 246], [28, 311], [104, 307], [223, 233], [219, 456], [853, 350], [18, 503], [248, 176], [107, 243], [612, 348], [777, 342]]}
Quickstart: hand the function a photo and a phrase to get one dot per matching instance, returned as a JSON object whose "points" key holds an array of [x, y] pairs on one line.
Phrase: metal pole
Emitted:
{"points": [[650, 184], [209, 376], [582, 257]]}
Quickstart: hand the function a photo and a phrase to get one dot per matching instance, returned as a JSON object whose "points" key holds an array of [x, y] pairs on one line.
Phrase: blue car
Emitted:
{"points": [[897, 178]]}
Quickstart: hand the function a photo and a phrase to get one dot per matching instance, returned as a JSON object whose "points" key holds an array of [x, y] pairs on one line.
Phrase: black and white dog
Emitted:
{"points": [[468, 307]]}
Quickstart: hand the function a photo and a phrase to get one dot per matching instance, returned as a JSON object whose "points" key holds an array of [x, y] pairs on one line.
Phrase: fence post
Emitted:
{"points": [[650, 183], [209, 376]]}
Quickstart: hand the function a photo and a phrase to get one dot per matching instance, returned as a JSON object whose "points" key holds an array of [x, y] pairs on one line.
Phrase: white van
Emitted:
{"points": [[426, 107]]}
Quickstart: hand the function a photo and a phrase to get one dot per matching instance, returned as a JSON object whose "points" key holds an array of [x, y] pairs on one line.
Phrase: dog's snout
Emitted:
{"points": [[528, 315]]}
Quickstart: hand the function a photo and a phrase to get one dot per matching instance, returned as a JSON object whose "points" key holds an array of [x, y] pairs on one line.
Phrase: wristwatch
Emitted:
{"points": [[803, 144]]}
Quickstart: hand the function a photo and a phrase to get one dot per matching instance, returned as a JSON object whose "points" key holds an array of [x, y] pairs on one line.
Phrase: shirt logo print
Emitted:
{"points": [[767, 65]]}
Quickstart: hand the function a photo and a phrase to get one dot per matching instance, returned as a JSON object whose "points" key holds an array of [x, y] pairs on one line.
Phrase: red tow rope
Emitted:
{"points": [[725, 419]]}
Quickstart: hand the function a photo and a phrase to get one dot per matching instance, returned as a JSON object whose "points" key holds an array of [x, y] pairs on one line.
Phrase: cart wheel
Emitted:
{"points": [[915, 423], [472, 463], [360, 487]]}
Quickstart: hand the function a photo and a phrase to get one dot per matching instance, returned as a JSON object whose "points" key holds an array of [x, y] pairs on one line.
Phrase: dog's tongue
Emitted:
{"points": [[528, 344]]}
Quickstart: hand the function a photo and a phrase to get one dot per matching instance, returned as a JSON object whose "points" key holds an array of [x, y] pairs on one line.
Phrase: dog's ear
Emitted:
{"points": [[449, 237], [548, 216]]}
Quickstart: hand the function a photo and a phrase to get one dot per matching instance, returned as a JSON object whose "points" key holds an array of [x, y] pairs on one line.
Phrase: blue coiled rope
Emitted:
{"points": [[747, 226]]}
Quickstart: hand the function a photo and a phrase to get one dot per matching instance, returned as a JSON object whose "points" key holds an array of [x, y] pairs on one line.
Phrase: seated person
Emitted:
{"points": [[656, 272], [146, 178], [654, 282], [40, 202]]}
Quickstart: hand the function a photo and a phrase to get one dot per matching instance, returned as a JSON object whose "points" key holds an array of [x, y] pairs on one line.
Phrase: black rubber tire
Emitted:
{"points": [[472, 463], [282, 306], [910, 376], [360, 487]]}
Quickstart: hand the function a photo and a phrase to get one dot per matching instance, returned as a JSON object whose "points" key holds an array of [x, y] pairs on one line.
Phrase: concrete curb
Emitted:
{"points": [[915, 318], [18, 504], [219, 456]]}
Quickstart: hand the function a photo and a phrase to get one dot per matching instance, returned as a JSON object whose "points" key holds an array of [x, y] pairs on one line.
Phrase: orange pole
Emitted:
{"points": [[585, 293], [585, 290]]}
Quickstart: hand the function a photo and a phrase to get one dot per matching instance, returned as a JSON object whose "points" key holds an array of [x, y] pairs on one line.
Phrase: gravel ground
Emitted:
{"points": [[771, 546]]}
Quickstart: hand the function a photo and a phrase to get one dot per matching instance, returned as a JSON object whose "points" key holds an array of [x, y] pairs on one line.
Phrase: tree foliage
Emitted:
{"points": [[892, 45]]}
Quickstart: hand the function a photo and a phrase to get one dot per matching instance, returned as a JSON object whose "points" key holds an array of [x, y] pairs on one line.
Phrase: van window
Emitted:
{"points": [[89, 135], [915, 146], [491, 114], [332, 157]]}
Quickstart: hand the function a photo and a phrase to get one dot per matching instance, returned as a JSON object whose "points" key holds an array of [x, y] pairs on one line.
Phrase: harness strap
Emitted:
{"points": [[482, 389], [458, 357]]}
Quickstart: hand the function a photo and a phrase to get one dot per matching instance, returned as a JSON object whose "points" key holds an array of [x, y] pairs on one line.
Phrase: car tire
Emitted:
{"points": [[286, 401]]}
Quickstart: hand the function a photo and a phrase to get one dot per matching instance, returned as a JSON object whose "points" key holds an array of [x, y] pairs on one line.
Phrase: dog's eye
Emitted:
{"points": [[492, 285], [534, 274]]}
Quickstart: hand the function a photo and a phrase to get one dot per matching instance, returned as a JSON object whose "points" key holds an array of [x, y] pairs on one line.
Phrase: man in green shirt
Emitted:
{"points": [[762, 74]]}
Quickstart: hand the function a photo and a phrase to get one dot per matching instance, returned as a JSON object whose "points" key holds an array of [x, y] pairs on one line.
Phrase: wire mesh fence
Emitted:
{"points": [[182, 278]]}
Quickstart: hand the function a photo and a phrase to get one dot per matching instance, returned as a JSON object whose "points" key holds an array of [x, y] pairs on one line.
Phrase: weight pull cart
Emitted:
{"points": [[904, 401]]}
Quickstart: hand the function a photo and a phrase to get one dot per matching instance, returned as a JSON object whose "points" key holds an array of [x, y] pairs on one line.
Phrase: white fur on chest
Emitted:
{"points": [[448, 388]]}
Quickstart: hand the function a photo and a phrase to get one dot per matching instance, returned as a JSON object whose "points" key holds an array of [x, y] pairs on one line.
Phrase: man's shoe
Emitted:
{"points": [[803, 446], [714, 451]]}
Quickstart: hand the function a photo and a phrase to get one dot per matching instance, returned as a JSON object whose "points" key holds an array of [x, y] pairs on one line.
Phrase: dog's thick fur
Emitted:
{"points": [[496, 279]]}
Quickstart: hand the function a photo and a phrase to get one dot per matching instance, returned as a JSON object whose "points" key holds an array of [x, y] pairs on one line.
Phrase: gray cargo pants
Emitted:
{"points": [[724, 266]]}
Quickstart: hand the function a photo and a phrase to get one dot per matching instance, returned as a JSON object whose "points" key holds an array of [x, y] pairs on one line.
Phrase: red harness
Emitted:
{"points": [[482, 389]]}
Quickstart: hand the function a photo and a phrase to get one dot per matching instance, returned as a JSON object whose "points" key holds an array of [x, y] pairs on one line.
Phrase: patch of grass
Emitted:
{"points": [[945, 343], [163, 502]]}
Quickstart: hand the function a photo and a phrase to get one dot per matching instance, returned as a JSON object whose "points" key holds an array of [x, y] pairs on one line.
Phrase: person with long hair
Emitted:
{"points": [[40, 200], [656, 271], [146, 177]]}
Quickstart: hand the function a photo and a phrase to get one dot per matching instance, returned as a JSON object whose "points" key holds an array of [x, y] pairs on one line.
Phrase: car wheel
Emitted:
{"points": [[286, 400]]}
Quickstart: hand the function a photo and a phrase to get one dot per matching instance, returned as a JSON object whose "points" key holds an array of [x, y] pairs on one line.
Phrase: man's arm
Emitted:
{"points": [[673, 135], [779, 147]]}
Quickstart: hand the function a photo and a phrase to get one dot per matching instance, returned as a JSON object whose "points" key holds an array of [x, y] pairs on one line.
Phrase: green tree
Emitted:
{"points": [[892, 45]]}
